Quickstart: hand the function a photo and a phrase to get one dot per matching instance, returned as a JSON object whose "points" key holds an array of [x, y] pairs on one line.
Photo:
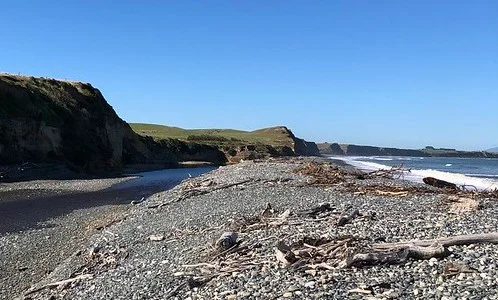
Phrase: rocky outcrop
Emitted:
{"points": [[171, 151], [236, 154], [356, 150], [47, 120], [299, 146]]}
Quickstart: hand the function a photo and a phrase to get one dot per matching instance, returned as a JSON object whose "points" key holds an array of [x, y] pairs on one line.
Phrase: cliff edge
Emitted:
{"points": [[47, 120]]}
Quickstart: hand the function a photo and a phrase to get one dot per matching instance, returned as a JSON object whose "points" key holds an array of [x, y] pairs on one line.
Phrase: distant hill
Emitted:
{"points": [[359, 150], [236, 144], [494, 150]]}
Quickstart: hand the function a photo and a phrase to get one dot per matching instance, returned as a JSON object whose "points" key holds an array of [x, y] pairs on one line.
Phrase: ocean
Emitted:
{"points": [[479, 172]]}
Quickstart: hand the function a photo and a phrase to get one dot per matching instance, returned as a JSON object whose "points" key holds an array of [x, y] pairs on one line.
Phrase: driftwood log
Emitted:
{"points": [[59, 283], [440, 183], [313, 212], [397, 256], [398, 253], [457, 240]]}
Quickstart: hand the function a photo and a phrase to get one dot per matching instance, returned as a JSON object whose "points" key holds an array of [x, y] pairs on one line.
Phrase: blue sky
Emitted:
{"points": [[387, 73]]}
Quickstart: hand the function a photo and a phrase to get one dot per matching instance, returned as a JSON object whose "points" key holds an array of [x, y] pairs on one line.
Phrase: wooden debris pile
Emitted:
{"points": [[310, 253], [395, 172], [266, 219], [324, 173], [101, 258], [229, 255]]}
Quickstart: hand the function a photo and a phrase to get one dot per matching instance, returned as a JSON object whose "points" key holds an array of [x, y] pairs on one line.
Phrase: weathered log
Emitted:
{"points": [[59, 283], [440, 183], [348, 218], [457, 240], [313, 212], [397, 253], [397, 256], [284, 254]]}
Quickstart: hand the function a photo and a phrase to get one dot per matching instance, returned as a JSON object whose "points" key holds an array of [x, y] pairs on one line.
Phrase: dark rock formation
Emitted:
{"points": [[249, 152], [331, 149], [170, 151], [46, 120], [378, 151], [298, 145]]}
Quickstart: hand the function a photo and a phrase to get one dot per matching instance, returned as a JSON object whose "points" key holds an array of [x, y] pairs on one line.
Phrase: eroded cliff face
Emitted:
{"points": [[46, 120], [53, 121], [236, 154], [297, 145], [171, 151]]}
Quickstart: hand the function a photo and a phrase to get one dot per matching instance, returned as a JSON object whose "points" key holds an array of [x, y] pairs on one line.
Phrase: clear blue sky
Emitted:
{"points": [[387, 73]]}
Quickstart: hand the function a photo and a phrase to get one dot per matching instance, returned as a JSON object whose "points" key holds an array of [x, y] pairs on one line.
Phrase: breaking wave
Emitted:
{"points": [[480, 181]]}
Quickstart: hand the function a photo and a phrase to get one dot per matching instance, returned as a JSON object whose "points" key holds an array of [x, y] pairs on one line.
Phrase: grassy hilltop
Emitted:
{"points": [[236, 144], [275, 136]]}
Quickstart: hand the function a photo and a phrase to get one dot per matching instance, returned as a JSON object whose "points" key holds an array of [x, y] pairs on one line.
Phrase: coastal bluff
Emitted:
{"points": [[48, 121], [236, 145], [44, 120], [359, 150]]}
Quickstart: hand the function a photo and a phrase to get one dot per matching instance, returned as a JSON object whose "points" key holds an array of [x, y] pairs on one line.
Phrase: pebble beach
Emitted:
{"points": [[165, 248]]}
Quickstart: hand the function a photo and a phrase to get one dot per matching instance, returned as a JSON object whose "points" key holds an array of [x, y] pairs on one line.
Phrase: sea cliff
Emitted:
{"points": [[358, 150], [48, 121]]}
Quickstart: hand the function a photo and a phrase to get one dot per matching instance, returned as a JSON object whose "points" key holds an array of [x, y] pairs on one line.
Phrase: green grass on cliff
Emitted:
{"points": [[274, 136]]}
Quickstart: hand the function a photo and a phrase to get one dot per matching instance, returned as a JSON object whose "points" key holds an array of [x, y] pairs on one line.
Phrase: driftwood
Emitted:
{"points": [[348, 218], [393, 172], [208, 189], [456, 240], [284, 254], [440, 183], [398, 253], [59, 283], [323, 174], [452, 269], [313, 212], [201, 190], [397, 256]]}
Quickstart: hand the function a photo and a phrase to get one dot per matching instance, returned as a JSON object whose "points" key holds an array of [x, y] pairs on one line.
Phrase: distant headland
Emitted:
{"points": [[358, 150]]}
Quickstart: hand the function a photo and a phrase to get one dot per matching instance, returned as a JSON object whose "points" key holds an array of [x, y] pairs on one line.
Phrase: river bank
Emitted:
{"points": [[43, 222], [164, 248]]}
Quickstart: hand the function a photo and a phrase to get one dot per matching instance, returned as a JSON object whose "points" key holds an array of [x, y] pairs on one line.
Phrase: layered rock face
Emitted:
{"points": [[46, 120], [171, 151]]}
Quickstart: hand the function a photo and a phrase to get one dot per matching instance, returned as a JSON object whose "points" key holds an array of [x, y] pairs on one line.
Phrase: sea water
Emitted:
{"points": [[481, 173]]}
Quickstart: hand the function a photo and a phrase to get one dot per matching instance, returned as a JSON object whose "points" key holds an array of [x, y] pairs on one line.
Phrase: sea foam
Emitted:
{"points": [[416, 175]]}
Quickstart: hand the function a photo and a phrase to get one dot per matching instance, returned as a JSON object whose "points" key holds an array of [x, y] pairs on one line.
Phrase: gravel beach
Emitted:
{"points": [[164, 248]]}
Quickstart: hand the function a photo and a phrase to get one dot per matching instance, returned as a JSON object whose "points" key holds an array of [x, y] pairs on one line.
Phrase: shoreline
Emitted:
{"points": [[165, 242], [57, 171], [43, 222]]}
